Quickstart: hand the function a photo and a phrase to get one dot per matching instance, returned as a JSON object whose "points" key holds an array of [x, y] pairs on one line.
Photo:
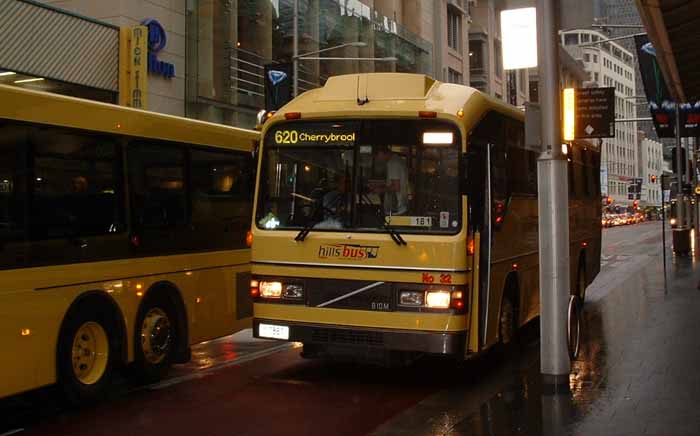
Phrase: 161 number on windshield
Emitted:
{"points": [[286, 137]]}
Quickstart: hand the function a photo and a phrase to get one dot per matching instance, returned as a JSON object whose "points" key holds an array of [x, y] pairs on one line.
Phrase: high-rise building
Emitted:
{"points": [[611, 65]]}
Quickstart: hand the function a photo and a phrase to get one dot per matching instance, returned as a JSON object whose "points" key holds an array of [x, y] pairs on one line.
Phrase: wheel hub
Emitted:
{"points": [[156, 335], [90, 353]]}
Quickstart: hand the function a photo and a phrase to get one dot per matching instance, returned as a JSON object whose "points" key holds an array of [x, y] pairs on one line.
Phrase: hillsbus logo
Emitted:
{"points": [[347, 251]]}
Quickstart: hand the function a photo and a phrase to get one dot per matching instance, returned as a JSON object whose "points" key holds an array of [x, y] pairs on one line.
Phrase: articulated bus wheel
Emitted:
{"points": [[155, 339], [84, 357], [574, 327]]}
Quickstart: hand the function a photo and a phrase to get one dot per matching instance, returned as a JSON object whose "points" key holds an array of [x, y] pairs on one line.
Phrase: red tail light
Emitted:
{"points": [[427, 114], [457, 300], [254, 288], [292, 115]]}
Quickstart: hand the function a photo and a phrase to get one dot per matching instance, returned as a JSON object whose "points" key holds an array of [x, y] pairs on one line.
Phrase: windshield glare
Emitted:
{"points": [[358, 175]]}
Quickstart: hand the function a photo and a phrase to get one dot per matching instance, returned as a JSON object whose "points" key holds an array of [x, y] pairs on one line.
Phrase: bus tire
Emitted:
{"points": [[573, 330], [86, 353], [507, 318], [581, 282], [156, 337]]}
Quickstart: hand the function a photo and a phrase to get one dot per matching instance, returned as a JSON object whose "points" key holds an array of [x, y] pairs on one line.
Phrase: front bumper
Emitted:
{"points": [[388, 339]]}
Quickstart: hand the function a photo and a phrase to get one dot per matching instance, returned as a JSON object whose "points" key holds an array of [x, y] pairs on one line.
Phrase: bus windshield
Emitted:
{"points": [[361, 176]]}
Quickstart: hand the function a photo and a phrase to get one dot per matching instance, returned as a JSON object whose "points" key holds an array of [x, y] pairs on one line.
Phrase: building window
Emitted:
{"points": [[454, 76], [586, 57], [571, 39], [595, 58], [476, 56], [454, 29], [595, 77], [497, 60]]}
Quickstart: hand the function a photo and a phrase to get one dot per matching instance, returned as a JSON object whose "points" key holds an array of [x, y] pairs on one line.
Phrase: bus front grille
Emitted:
{"points": [[349, 337]]}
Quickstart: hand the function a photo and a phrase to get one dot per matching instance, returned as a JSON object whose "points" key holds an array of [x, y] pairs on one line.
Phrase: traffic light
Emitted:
{"points": [[653, 178], [635, 204], [609, 200]]}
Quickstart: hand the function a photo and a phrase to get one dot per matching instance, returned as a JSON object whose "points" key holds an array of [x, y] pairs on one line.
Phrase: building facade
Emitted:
{"points": [[611, 65], [217, 50], [485, 56]]}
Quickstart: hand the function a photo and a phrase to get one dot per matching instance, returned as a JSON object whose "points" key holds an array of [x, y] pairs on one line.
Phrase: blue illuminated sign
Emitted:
{"points": [[156, 42]]}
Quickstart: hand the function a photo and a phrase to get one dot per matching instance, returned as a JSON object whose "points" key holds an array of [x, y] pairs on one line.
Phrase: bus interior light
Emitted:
{"points": [[438, 137], [411, 298], [437, 299], [460, 113], [271, 289]]}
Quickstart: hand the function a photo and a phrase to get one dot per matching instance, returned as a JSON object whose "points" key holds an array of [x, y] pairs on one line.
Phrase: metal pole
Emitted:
{"points": [[295, 49], [663, 233], [680, 216], [552, 204]]}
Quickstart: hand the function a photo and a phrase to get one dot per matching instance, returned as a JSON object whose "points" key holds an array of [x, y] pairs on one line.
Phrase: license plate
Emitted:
{"points": [[273, 331]]}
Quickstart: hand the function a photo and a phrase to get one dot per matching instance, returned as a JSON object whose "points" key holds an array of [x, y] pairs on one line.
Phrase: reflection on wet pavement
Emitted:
{"points": [[638, 349]]}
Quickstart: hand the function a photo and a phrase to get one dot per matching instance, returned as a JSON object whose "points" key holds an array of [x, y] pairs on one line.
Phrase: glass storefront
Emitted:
{"points": [[230, 42]]}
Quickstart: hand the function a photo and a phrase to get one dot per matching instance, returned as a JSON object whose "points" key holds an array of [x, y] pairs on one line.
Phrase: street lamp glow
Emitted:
{"points": [[569, 114], [519, 36]]}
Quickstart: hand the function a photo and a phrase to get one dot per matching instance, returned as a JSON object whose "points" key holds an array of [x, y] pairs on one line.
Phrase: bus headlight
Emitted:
{"points": [[411, 298], [270, 289], [437, 299]]}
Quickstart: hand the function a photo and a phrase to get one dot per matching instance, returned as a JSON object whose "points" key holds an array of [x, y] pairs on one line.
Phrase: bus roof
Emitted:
{"points": [[394, 94], [59, 110]]}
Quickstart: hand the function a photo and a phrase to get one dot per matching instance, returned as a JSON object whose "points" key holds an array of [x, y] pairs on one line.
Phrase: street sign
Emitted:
{"points": [[595, 113]]}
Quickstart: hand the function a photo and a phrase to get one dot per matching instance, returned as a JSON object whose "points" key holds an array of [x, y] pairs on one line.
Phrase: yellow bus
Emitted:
{"points": [[122, 239], [397, 213]]}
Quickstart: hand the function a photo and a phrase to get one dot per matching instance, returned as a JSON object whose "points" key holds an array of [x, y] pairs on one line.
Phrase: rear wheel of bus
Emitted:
{"points": [[86, 353], [156, 337]]}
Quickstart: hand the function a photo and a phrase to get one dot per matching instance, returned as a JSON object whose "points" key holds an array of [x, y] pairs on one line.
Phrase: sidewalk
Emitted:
{"points": [[638, 372]]}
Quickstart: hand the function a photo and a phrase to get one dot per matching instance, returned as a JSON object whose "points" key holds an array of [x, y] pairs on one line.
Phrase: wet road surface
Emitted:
{"points": [[635, 367]]}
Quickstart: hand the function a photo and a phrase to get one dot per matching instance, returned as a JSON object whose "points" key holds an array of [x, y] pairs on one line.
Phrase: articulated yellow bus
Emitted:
{"points": [[122, 239], [394, 212]]}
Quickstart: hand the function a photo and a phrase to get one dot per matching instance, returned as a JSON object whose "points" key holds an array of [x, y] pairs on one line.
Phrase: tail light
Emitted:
{"points": [[254, 288]]}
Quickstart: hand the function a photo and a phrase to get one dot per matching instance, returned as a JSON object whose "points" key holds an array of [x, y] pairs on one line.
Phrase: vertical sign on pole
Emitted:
{"points": [[133, 66], [138, 67]]}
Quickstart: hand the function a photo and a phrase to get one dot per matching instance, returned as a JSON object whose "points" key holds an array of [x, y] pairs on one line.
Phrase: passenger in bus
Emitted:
{"points": [[396, 189]]}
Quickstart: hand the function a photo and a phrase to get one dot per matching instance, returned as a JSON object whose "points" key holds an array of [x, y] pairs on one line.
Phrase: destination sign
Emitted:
{"points": [[313, 134]]}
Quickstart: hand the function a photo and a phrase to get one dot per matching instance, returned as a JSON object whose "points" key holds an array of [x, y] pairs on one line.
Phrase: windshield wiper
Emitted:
{"points": [[315, 218], [395, 236]]}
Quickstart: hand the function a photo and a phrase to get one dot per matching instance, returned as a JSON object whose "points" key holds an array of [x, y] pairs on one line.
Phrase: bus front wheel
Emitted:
{"points": [[507, 323], [85, 355], [155, 338]]}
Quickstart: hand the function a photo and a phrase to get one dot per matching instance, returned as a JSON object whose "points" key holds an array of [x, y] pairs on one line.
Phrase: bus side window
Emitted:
{"points": [[222, 195], [158, 196], [13, 193]]}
